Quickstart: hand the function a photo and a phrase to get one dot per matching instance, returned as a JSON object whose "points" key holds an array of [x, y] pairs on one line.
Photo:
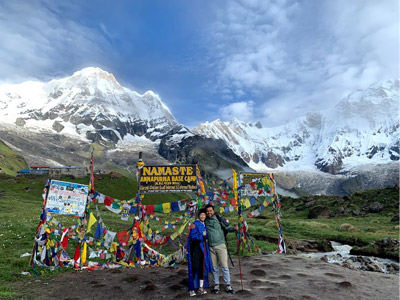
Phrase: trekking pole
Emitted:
{"points": [[240, 267], [229, 255]]}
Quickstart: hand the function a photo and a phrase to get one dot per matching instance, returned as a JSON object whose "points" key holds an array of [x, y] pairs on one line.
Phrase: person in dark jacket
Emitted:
{"points": [[218, 250], [199, 261]]}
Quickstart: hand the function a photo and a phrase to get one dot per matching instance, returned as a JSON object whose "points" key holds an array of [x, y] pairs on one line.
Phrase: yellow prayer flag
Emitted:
{"points": [[166, 208], [221, 210], [141, 224], [180, 230], [234, 179], [113, 247], [267, 181], [201, 183], [247, 203], [234, 184], [92, 220], [83, 256], [125, 264]]}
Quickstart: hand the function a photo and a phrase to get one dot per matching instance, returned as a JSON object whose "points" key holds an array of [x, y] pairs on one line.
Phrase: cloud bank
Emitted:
{"points": [[243, 111], [294, 57]]}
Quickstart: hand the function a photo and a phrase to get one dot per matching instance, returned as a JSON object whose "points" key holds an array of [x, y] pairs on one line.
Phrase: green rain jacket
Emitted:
{"points": [[215, 232]]}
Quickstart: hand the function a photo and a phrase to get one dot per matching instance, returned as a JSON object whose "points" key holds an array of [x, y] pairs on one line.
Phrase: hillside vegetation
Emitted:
{"points": [[10, 161]]}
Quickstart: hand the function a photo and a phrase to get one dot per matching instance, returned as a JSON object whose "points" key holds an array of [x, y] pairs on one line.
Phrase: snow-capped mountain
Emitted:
{"points": [[56, 122], [90, 104], [362, 128]]}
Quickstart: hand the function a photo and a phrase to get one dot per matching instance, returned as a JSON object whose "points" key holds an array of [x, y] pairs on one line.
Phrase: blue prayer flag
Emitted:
{"points": [[99, 231], [174, 206], [133, 210]]}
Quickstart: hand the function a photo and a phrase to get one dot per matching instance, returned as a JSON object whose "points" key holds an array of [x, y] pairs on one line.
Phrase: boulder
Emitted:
{"points": [[395, 219], [309, 203], [340, 210], [375, 207], [20, 122], [374, 267], [308, 246], [319, 212], [57, 126], [343, 200]]}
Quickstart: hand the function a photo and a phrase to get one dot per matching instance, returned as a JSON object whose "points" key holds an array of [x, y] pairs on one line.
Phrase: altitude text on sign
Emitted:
{"points": [[164, 179]]}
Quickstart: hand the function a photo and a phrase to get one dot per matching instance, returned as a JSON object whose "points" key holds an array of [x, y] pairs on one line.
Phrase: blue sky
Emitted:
{"points": [[267, 60]]}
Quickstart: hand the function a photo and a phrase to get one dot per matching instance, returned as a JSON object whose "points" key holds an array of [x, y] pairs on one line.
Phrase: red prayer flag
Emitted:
{"points": [[108, 201], [150, 209], [77, 253], [123, 237]]}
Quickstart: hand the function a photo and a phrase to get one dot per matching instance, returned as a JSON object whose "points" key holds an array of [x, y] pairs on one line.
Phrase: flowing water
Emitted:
{"points": [[342, 254]]}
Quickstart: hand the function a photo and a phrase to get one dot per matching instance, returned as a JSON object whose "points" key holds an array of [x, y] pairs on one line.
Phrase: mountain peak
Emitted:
{"points": [[90, 71], [89, 104], [361, 128], [95, 75]]}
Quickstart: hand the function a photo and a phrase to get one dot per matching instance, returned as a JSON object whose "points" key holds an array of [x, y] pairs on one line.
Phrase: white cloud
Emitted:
{"points": [[39, 42], [240, 110], [239, 93], [300, 56]]}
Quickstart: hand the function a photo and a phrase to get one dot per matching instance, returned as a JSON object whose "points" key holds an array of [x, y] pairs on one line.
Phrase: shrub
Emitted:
{"points": [[347, 227], [375, 222], [314, 224]]}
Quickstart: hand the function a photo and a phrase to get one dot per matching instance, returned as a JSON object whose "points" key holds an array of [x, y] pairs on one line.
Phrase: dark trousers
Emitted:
{"points": [[197, 259]]}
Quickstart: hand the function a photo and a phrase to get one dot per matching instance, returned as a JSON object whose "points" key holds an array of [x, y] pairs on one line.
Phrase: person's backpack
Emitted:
{"points": [[223, 221]]}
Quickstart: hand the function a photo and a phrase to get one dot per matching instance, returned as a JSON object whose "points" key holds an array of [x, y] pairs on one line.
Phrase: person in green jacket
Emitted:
{"points": [[218, 250]]}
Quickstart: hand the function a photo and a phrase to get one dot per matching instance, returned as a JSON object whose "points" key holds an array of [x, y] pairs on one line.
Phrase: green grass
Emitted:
{"points": [[364, 229], [122, 171], [21, 202], [10, 161]]}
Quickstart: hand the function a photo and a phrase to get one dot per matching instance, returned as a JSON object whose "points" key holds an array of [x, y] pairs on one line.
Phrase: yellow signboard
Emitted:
{"points": [[168, 179]]}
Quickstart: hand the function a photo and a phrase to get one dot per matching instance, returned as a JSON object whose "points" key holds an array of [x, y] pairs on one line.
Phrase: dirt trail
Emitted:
{"points": [[264, 277]]}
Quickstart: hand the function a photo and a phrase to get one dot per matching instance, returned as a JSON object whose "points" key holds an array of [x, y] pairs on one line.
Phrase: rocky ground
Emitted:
{"points": [[264, 277]]}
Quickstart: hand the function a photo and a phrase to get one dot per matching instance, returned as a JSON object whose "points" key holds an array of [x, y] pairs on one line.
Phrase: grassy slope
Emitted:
{"points": [[10, 161], [20, 205], [346, 228]]}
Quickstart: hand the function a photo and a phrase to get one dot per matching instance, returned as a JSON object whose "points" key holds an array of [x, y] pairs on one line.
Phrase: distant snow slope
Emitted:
{"points": [[362, 129]]}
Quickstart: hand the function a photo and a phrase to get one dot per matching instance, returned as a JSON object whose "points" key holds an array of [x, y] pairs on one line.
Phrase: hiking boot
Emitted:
{"points": [[202, 291], [215, 290], [229, 289], [192, 294]]}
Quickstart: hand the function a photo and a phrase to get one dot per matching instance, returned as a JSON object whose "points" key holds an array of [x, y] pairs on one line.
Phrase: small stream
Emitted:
{"points": [[341, 256]]}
